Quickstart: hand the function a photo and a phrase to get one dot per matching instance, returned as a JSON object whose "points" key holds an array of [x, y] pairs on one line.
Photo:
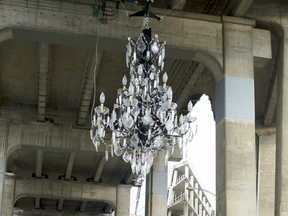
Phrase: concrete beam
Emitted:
{"points": [[60, 204], [177, 2], [40, 136], [67, 190], [39, 163], [69, 166], [241, 7], [43, 79], [83, 206], [193, 72], [99, 170], [271, 102], [88, 85]]}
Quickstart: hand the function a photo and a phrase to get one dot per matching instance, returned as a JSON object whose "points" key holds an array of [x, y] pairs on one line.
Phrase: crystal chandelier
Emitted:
{"points": [[144, 119]]}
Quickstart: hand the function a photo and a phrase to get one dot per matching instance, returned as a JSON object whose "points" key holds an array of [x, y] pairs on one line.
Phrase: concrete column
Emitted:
{"points": [[185, 209], [192, 192], [123, 200], [235, 119], [8, 197], [281, 189], [156, 188], [171, 191]]}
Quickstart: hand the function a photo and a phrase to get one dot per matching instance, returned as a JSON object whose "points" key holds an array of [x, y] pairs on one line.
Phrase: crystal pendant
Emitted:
{"points": [[141, 46], [162, 66], [155, 48], [118, 151], [158, 142], [127, 60], [112, 152], [147, 120], [126, 157], [163, 52], [167, 157], [169, 125], [129, 49], [127, 121], [134, 140], [160, 60]]}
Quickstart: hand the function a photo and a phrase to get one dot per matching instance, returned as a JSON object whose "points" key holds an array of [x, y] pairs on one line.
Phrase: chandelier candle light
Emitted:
{"points": [[144, 119]]}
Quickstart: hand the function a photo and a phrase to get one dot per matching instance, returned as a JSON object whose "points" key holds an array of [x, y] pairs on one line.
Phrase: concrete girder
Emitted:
{"points": [[39, 163], [43, 78], [192, 74], [241, 7], [197, 32], [88, 85], [42, 136], [69, 166], [56, 189], [99, 170]]}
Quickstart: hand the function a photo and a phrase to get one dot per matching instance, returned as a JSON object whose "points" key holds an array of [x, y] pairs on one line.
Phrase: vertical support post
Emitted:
{"points": [[8, 197], [235, 119], [156, 188], [123, 200], [281, 180], [192, 192]]}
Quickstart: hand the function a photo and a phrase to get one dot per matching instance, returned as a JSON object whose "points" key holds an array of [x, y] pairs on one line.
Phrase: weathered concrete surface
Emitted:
{"points": [[156, 188], [267, 172], [192, 35], [235, 130], [66, 190], [123, 200], [8, 197], [236, 166]]}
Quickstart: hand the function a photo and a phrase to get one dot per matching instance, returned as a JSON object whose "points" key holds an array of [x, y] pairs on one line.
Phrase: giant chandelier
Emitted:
{"points": [[144, 119]]}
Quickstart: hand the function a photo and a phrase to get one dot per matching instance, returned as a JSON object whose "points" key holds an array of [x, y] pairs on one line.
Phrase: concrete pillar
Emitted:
{"points": [[235, 119], [4, 131], [185, 209], [123, 200], [192, 191], [156, 188], [196, 198], [281, 189], [171, 191], [8, 197]]}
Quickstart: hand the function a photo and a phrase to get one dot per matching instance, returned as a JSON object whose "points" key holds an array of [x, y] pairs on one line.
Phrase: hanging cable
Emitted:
{"points": [[94, 81], [171, 10], [125, 7]]}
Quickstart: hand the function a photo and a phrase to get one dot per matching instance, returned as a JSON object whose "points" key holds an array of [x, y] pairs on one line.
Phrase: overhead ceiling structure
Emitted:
{"points": [[52, 84]]}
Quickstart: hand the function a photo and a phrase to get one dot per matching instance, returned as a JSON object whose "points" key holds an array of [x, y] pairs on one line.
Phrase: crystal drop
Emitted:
{"points": [[175, 121], [139, 166], [124, 142], [169, 125], [120, 123], [147, 120], [134, 140], [124, 80], [155, 48], [160, 60], [162, 66], [126, 157], [141, 46], [113, 116], [140, 69], [129, 49], [158, 142], [133, 166], [167, 157], [151, 76], [143, 158], [106, 155], [127, 60], [153, 68], [112, 152], [163, 52], [118, 151], [127, 121]]}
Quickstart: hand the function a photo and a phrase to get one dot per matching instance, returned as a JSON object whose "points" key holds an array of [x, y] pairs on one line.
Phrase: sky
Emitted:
{"points": [[201, 155]]}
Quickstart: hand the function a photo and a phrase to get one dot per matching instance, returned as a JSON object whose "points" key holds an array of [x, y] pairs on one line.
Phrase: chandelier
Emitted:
{"points": [[144, 119]]}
